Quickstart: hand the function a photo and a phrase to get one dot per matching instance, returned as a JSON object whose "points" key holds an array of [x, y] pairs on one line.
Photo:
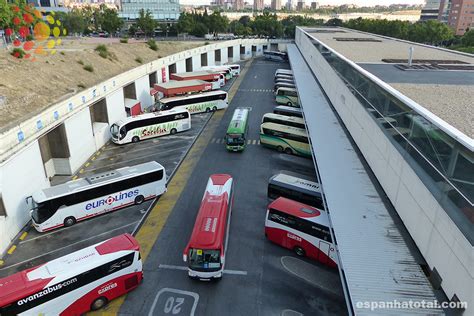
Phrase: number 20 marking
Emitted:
{"points": [[170, 305]]}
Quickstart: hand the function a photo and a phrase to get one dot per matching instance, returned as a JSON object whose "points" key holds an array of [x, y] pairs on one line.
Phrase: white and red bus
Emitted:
{"points": [[302, 228], [205, 252], [74, 284]]}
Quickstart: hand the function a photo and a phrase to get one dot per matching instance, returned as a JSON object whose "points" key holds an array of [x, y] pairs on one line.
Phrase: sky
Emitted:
{"points": [[327, 2]]}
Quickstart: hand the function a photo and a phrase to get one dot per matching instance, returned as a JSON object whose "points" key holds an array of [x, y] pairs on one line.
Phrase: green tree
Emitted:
{"points": [[6, 14], [468, 38], [146, 22], [109, 20], [334, 22]]}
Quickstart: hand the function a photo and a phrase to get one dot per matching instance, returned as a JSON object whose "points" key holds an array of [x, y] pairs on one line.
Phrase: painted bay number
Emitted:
{"points": [[173, 305]]}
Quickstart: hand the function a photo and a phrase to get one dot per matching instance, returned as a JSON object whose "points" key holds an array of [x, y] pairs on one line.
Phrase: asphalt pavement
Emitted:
{"points": [[257, 281]]}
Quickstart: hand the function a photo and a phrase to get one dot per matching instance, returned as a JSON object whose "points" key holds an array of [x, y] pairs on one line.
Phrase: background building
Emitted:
{"points": [[314, 5], [162, 10], [258, 5], [300, 5], [430, 11], [238, 5], [276, 5]]}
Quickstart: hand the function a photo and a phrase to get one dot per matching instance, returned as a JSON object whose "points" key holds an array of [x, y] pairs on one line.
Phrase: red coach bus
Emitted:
{"points": [[302, 228], [205, 252], [76, 283]]}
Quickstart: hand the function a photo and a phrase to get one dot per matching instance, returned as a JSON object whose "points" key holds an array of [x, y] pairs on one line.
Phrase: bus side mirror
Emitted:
{"points": [[28, 199], [185, 258]]}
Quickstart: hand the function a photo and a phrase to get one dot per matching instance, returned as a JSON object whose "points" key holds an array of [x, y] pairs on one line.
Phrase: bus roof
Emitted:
{"points": [[287, 108], [285, 128], [294, 119], [287, 89], [173, 84], [209, 228], [298, 209], [296, 180], [149, 115], [283, 71], [192, 96], [83, 183], [208, 74], [30, 281], [239, 121], [284, 80]]}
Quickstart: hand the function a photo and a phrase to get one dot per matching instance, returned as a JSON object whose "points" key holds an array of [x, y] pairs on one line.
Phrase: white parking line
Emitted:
{"points": [[183, 268], [75, 243]]}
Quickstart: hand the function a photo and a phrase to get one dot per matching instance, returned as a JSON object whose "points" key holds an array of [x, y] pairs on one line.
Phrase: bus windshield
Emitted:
{"points": [[235, 139], [114, 130], [41, 212], [207, 259]]}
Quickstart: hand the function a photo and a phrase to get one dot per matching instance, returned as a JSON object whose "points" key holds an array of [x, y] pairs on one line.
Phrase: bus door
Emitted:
{"points": [[324, 249]]}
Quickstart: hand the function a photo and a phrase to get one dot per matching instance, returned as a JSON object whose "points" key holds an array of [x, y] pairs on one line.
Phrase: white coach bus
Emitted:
{"points": [[140, 127], [73, 201]]}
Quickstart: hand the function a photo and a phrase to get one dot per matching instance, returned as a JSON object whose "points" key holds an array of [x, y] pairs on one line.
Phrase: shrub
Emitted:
{"points": [[124, 40], [62, 53], [88, 68], [18, 53], [81, 85], [80, 62], [102, 50], [139, 60], [152, 44], [206, 43]]}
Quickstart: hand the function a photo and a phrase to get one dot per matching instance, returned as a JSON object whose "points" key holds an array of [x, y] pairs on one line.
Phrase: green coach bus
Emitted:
{"points": [[288, 139], [237, 130], [287, 96]]}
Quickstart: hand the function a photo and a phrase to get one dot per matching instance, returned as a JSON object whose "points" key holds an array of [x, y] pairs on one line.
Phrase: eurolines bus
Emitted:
{"points": [[236, 135], [205, 252], [196, 103], [288, 139], [74, 284], [283, 120], [287, 96], [77, 200], [301, 228], [140, 127]]}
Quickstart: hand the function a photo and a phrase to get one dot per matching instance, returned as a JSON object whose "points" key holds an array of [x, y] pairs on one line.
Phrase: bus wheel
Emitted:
{"points": [[139, 199], [69, 221], [99, 303], [289, 104], [280, 149], [214, 108], [208, 110], [299, 251], [288, 151], [135, 139], [173, 131]]}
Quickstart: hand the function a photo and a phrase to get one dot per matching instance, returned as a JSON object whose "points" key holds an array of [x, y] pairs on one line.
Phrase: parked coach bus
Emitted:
{"points": [[283, 120], [284, 77], [295, 187], [288, 111], [205, 252], [288, 139], [276, 56], [74, 284], [77, 200], [301, 228], [281, 84], [235, 68], [140, 127], [225, 70], [283, 71], [196, 103], [288, 97], [235, 137]]}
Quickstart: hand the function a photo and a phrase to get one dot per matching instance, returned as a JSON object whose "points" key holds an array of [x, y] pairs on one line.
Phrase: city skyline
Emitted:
{"points": [[325, 2]]}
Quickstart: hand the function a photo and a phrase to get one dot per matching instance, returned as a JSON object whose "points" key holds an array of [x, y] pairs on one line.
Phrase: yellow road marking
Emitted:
{"points": [[93, 158], [88, 164], [151, 228], [23, 236], [1, 262], [74, 178], [11, 250], [98, 153], [81, 171]]}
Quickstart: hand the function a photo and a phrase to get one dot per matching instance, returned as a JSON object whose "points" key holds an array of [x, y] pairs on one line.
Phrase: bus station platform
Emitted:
{"points": [[378, 262]]}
